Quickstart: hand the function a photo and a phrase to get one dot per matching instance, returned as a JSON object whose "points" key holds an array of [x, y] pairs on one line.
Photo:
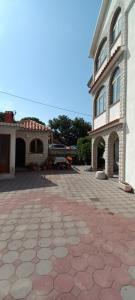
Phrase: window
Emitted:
{"points": [[115, 86], [116, 26], [100, 102], [36, 146], [102, 54]]}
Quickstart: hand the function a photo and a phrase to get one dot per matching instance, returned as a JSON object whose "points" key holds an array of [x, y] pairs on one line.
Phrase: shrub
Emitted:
{"points": [[84, 150]]}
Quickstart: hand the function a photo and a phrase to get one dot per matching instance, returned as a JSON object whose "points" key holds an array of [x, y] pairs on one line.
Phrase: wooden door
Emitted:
{"points": [[4, 153]]}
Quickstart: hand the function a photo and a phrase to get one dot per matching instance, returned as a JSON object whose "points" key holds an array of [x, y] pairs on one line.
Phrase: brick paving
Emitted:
{"points": [[66, 236]]}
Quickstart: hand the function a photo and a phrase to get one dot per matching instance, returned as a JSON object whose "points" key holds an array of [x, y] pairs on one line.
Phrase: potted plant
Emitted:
{"points": [[126, 187]]}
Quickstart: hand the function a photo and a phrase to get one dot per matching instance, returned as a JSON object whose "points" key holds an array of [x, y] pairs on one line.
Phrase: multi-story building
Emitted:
{"points": [[113, 88]]}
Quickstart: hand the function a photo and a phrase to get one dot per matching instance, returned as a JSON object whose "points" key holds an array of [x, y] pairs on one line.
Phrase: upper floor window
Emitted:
{"points": [[101, 55], [36, 146], [100, 102], [115, 86], [116, 25]]}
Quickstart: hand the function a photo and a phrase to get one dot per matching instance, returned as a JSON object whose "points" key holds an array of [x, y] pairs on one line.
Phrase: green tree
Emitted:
{"points": [[2, 117], [33, 119], [84, 150], [69, 130]]}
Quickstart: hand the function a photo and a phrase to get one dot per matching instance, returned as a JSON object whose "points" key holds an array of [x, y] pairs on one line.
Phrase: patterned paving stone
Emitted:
{"points": [[69, 224], [14, 245], [44, 253], [27, 255], [83, 280], [60, 252], [58, 225], [31, 234], [73, 240], [128, 292], [3, 245], [83, 230], [4, 288], [30, 243], [43, 285], [131, 271], [8, 228], [59, 241], [65, 296], [33, 226], [58, 232], [71, 231], [79, 263], [81, 224], [45, 226], [44, 267], [6, 271], [18, 235], [45, 233], [10, 257], [21, 227], [5, 236], [21, 288], [63, 283], [44, 242], [25, 269], [110, 294], [103, 278]]}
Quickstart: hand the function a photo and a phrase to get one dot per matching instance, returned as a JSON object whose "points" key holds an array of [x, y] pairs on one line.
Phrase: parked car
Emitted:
{"points": [[57, 146]]}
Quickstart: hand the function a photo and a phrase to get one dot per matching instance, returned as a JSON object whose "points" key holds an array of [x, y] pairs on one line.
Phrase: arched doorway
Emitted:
{"points": [[98, 154], [20, 153], [113, 146]]}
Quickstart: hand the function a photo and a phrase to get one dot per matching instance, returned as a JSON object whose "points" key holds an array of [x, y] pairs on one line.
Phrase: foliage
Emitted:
{"points": [[69, 130], [2, 116], [33, 119], [84, 149]]}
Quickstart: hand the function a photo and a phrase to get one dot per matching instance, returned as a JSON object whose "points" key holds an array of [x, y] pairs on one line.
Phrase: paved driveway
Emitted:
{"points": [[66, 236]]}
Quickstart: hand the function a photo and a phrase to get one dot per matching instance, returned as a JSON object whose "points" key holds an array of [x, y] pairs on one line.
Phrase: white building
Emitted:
{"points": [[21, 144], [113, 88]]}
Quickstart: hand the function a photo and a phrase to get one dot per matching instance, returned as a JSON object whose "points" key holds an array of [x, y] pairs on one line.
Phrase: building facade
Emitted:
{"points": [[113, 89], [21, 144]]}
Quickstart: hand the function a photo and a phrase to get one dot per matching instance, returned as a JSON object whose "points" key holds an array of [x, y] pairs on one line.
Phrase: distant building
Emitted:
{"points": [[113, 88], [21, 143]]}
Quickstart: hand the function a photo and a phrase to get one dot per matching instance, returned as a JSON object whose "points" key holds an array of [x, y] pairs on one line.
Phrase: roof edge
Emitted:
{"points": [[101, 16]]}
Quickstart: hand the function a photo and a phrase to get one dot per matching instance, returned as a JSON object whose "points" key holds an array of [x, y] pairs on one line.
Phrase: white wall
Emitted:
{"points": [[100, 121], [130, 118], [12, 133], [114, 112]]}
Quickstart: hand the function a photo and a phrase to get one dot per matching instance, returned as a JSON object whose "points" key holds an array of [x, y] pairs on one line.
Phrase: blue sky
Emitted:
{"points": [[44, 47]]}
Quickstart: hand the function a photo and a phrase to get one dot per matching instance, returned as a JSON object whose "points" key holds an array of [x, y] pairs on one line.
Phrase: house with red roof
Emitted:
{"points": [[22, 143]]}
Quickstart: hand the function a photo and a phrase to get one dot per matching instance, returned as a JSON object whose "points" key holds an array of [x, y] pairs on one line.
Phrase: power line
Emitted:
{"points": [[41, 103]]}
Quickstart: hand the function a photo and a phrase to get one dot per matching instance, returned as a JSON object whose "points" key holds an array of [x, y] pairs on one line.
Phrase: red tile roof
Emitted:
{"points": [[33, 125]]}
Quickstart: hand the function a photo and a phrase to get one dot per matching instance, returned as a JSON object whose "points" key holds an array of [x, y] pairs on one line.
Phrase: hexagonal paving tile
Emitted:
{"points": [[131, 271], [8, 228], [43, 285], [44, 253], [10, 257], [60, 252], [21, 288], [128, 293], [27, 255], [73, 240], [44, 242], [44, 267], [63, 283], [4, 288], [14, 245], [30, 243], [3, 245], [6, 271], [25, 269], [45, 233], [59, 241]]}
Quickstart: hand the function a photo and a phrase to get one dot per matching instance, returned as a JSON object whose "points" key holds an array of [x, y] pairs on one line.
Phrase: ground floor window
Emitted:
{"points": [[36, 146]]}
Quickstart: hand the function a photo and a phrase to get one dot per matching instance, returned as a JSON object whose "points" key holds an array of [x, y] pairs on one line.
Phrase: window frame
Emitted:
{"points": [[100, 102], [101, 54], [36, 151], [115, 86], [116, 26]]}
